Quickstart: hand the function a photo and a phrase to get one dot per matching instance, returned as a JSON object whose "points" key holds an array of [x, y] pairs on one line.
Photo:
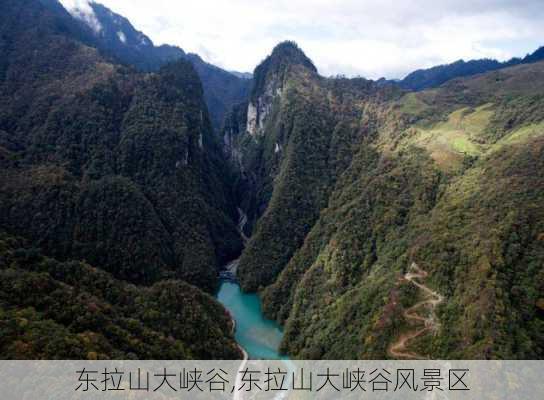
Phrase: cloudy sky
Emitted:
{"points": [[371, 38]]}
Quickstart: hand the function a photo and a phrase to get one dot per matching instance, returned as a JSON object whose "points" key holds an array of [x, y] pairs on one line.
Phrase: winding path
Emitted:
{"points": [[399, 349]]}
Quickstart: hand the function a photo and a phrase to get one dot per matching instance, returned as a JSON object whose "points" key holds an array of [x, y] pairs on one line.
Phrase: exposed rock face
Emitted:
{"points": [[99, 162], [269, 81], [252, 117], [258, 112], [253, 138], [234, 130]]}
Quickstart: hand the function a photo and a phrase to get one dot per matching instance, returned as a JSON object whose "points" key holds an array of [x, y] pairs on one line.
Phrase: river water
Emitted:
{"points": [[257, 335]]}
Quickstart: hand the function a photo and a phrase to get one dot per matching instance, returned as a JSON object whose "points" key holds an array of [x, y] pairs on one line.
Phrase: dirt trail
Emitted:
{"points": [[399, 349]]}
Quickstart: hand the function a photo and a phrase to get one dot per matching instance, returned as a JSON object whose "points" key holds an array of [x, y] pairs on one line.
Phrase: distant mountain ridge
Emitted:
{"points": [[116, 37], [436, 76]]}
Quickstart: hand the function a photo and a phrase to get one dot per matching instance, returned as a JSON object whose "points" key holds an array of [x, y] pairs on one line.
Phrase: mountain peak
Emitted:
{"points": [[288, 52], [274, 67]]}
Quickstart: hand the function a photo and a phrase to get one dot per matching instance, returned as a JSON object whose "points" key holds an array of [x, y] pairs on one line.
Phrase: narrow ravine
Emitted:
{"points": [[425, 323], [257, 336]]}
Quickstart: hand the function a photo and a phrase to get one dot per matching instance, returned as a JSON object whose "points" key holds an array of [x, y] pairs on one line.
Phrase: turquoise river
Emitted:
{"points": [[258, 336]]}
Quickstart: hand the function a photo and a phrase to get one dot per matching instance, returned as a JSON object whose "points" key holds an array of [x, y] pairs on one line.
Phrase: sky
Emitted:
{"points": [[369, 38]]}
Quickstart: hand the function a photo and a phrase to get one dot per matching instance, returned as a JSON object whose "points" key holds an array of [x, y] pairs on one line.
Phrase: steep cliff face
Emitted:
{"points": [[234, 129], [246, 144], [269, 80], [298, 138], [385, 223]]}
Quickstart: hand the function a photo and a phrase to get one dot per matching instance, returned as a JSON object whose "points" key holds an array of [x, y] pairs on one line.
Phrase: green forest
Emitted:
{"points": [[125, 168]]}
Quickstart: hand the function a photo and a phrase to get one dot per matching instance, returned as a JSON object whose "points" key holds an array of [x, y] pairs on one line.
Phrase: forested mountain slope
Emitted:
{"points": [[70, 310], [132, 152], [104, 164], [357, 182], [301, 129]]}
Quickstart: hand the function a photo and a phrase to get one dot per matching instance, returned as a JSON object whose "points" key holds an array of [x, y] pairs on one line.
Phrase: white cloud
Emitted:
{"points": [[372, 38], [81, 9]]}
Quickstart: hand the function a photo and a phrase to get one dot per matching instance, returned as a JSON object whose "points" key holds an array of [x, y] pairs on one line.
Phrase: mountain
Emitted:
{"points": [[384, 222], [537, 55], [117, 39], [357, 189], [295, 146], [102, 165], [436, 76]]}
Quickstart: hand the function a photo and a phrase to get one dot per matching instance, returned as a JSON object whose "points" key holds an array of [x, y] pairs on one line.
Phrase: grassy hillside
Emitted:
{"points": [[368, 205]]}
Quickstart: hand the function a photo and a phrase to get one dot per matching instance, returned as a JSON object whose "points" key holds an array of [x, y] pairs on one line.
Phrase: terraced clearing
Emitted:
{"points": [[464, 134], [451, 141]]}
